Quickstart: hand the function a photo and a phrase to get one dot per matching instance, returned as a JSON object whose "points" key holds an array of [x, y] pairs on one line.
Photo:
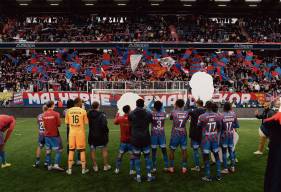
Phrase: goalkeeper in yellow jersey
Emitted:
{"points": [[76, 118]]}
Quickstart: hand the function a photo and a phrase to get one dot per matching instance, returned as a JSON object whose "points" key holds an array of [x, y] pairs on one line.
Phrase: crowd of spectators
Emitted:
{"points": [[143, 28], [238, 77]]}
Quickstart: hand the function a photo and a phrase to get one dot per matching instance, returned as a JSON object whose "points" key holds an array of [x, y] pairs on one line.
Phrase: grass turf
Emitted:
{"points": [[21, 176]]}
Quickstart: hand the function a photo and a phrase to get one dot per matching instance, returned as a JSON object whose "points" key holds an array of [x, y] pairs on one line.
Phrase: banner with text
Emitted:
{"points": [[110, 99]]}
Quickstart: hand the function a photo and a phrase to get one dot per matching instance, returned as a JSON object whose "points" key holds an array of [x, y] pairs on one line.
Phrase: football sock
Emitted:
{"points": [[119, 160], [138, 165], [147, 163], [132, 164], [58, 158], [154, 151], [207, 165], [2, 157], [48, 159], [165, 157], [196, 157], [218, 164], [231, 156], [224, 158]]}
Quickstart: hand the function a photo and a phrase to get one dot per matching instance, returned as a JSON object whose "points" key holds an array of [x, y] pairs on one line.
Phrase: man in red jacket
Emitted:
{"points": [[125, 145], [7, 124], [52, 122]]}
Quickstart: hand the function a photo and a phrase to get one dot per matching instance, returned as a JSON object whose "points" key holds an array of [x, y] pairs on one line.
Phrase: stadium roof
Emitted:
{"points": [[141, 6]]}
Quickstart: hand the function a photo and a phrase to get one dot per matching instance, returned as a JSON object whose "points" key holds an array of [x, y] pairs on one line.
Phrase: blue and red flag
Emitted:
{"points": [[105, 59], [187, 54], [14, 60]]}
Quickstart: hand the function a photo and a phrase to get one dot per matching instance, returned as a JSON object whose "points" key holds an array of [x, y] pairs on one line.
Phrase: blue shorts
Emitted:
{"points": [[158, 140], [195, 144], [125, 147], [41, 141], [53, 143], [138, 151], [209, 146], [178, 140], [1, 138], [227, 142]]}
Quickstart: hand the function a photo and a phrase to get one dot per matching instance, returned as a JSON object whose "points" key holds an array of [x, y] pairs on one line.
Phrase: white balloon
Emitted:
{"points": [[127, 99], [202, 86]]}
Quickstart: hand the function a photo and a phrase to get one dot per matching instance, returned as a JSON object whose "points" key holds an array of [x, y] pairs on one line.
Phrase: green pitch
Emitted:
{"points": [[22, 177]]}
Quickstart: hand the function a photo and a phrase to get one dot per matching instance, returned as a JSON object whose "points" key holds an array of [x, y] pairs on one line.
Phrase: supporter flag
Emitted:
{"points": [[29, 68], [33, 59], [210, 70], [72, 56], [125, 57], [75, 67], [220, 72], [135, 60], [167, 62], [278, 70], [106, 59], [103, 72], [269, 65], [195, 67], [117, 51], [14, 60], [177, 68], [157, 69], [147, 55], [68, 74], [249, 56], [258, 61], [94, 70], [187, 54], [88, 74], [274, 73], [40, 69], [224, 60], [157, 56]]}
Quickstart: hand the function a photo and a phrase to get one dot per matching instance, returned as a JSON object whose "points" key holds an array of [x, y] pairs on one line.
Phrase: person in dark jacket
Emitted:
{"points": [[140, 138], [98, 135], [267, 112], [195, 133], [272, 129]]}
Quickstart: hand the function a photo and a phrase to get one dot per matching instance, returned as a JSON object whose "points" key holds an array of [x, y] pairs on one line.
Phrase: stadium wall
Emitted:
{"points": [[24, 112]]}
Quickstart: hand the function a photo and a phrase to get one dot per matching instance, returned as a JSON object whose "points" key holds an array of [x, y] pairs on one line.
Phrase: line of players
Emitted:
{"points": [[208, 130]]}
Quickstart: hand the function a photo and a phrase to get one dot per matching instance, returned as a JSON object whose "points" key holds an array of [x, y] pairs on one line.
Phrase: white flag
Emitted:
{"points": [[167, 62], [134, 60]]}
